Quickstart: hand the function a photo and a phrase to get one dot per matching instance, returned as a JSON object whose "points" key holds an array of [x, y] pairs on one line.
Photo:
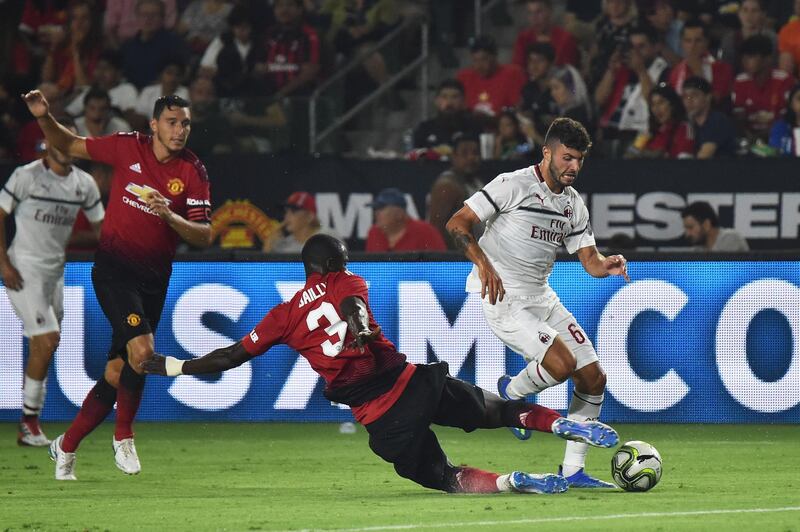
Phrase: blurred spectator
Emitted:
{"points": [[108, 77], [44, 22], [300, 223], [292, 52], [83, 238], [660, 14], [202, 21], [510, 142], [670, 135], [620, 243], [455, 185], [759, 92], [785, 134], [169, 82], [622, 94], [610, 34], [452, 118], [538, 108], [570, 95], [97, 119], [144, 54], [231, 58], [542, 30], [355, 25], [120, 22], [752, 22], [699, 62], [395, 230], [714, 132], [72, 60], [30, 139], [489, 86], [701, 228], [789, 42], [210, 130]]}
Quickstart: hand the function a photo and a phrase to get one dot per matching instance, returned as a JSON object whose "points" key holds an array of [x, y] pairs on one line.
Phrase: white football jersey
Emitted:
{"points": [[526, 223], [45, 206]]}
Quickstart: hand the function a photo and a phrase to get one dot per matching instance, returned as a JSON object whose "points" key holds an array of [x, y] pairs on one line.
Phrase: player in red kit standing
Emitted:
{"points": [[329, 322], [159, 196]]}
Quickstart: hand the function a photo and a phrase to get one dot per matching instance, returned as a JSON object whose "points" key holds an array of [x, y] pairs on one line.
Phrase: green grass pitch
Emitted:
{"points": [[308, 476]]}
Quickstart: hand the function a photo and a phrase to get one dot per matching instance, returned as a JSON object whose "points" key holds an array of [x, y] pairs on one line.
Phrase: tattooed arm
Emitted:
{"points": [[460, 229]]}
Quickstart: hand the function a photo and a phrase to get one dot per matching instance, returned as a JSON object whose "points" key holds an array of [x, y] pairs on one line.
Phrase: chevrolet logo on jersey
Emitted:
{"points": [[141, 191]]}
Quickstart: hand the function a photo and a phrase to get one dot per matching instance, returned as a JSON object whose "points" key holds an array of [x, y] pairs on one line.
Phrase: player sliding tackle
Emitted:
{"points": [[329, 322], [529, 214]]}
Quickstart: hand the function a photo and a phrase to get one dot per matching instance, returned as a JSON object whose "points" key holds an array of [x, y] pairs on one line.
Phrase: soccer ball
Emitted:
{"points": [[636, 466]]}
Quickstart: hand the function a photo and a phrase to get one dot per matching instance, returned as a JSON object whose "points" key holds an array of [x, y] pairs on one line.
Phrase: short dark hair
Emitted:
{"points": [[238, 16], [460, 138], [168, 102], [451, 84], [699, 83], [544, 49], [650, 33], [756, 45], [695, 23], [570, 133], [483, 43], [96, 93], [701, 211]]}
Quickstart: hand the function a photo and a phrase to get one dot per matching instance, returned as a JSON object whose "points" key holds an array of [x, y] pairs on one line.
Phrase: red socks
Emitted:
{"points": [[471, 480], [129, 395], [539, 418], [98, 403]]}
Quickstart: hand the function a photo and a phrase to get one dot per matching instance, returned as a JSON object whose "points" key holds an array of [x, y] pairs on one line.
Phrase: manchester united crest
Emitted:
{"points": [[175, 186], [133, 320]]}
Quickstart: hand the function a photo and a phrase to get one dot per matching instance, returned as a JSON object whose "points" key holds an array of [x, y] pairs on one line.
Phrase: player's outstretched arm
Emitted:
{"points": [[460, 228], [215, 362], [355, 314], [57, 135], [598, 265]]}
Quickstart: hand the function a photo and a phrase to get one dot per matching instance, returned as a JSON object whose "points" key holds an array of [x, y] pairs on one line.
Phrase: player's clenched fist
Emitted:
{"points": [[37, 103]]}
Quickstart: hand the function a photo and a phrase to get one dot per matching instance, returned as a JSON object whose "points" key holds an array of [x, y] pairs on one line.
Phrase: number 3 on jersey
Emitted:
{"points": [[337, 327]]}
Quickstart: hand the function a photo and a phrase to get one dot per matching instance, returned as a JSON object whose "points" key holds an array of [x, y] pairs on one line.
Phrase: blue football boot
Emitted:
{"points": [[530, 483], [582, 480], [502, 385], [591, 432]]}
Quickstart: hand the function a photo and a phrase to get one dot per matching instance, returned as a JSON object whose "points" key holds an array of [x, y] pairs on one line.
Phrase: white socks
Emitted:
{"points": [[583, 407], [504, 484], [531, 380], [33, 393]]}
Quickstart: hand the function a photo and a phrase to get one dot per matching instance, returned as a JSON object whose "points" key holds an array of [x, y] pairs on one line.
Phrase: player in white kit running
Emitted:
{"points": [[529, 214], [44, 197]]}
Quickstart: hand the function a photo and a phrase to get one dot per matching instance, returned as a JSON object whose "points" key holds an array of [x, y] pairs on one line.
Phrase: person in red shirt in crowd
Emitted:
{"points": [[542, 29], [395, 230], [330, 323], [759, 92], [670, 135], [43, 21], [71, 61], [699, 62], [292, 51], [160, 195], [489, 86]]}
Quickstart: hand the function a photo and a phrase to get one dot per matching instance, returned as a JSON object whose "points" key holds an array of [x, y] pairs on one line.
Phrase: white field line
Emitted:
{"points": [[559, 519]]}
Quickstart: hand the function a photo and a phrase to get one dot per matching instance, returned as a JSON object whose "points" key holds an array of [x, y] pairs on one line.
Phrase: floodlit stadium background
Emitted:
{"points": [[693, 341]]}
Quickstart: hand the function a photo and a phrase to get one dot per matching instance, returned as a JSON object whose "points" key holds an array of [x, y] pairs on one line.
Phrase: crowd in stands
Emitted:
{"points": [[649, 78]]}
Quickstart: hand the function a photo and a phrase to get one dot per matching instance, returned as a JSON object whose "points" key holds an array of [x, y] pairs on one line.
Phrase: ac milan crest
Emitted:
{"points": [[568, 211], [544, 337]]}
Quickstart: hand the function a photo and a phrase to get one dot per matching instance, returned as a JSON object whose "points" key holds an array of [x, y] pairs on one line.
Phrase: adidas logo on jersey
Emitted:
{"points": [[136, 167]]}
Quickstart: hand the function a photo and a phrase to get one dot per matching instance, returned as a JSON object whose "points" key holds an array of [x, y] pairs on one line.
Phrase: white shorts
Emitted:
{"points": [[40, 303], [530, 324]]}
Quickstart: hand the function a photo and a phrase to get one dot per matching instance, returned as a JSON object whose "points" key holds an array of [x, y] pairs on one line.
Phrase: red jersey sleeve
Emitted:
{"points": [[348, 284], [313, 45], [106, 149], [269, 332], [198, 195]]}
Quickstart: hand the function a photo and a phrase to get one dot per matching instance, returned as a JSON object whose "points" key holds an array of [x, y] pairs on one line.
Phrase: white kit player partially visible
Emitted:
{"points": [[45, 197], [529, 214]]}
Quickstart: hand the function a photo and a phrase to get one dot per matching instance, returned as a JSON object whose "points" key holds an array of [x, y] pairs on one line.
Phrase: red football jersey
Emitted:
{"points": [[133, 234], [312, 324], [759, 103]]}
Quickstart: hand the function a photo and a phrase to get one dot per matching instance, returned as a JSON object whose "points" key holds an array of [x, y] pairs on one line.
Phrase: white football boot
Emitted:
{"points": [[65, 462], [125, 456]]}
